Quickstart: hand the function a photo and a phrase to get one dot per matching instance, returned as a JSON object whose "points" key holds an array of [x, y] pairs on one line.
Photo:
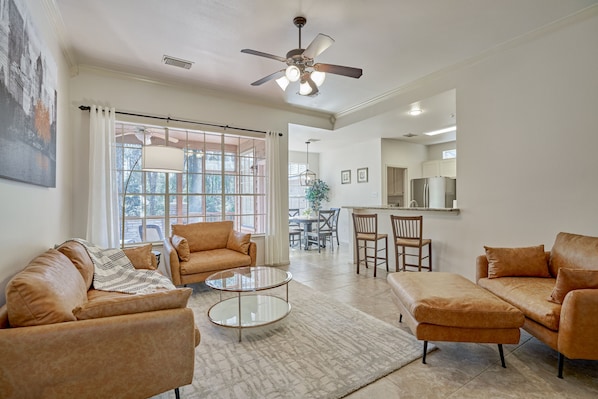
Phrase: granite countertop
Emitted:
{"points": [[399, 208]]}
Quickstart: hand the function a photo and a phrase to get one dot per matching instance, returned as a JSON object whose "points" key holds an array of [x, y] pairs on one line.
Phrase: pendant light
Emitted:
{"points": [[307, 177]]}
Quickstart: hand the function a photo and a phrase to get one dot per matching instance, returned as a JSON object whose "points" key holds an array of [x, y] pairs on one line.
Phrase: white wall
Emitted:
{"points": [[35, 218], [365, 154]]}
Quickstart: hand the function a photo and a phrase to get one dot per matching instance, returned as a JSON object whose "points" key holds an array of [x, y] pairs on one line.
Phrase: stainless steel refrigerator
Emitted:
{"points": [[433, 192]]}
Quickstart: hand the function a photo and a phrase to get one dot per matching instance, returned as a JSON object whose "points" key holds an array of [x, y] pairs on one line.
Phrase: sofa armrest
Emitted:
{"points": [[120, 356], [252, 252], [578, 327], [481, 265], [172, 261]]}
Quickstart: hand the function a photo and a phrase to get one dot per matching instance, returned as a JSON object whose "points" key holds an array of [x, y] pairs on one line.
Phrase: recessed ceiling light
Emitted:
{"points": [[446, 130], [415, 111]]}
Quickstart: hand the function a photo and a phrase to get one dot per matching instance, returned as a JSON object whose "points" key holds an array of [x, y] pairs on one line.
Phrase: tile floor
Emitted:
{"points": [[454, 370]]}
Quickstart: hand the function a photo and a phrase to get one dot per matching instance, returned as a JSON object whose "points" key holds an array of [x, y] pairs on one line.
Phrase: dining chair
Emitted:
{"points": [[407, 233], [365, 227], [295, 230], [153, 233], [323, 230], [335, 223]]}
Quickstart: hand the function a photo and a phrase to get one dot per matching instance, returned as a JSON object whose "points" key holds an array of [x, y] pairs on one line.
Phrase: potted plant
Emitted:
{"points": [[316, 194]]}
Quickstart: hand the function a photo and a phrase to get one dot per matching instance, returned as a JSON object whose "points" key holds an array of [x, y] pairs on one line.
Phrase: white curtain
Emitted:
{"points": [[102, 209], [276, 242]]}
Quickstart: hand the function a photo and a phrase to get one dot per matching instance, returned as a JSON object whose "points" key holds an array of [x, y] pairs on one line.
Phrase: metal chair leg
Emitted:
{"points": [[425, 352], [177, 394]]}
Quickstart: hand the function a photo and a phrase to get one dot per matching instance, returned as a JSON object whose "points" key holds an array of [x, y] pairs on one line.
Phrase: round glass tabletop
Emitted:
{"points": [[248, 279]]}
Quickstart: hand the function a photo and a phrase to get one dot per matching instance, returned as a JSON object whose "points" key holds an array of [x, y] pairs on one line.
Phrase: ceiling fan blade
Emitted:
{"points": [[318, 45], [274, 75], [260, 54], [339, 70]]}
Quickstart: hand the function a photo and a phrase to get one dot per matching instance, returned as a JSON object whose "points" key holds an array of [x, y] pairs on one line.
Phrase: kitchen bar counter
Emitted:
{"points": [[399, 208], [439, 226]]}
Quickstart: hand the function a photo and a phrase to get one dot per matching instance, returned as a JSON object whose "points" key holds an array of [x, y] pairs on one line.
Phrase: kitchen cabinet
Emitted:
{"points": [[441, 167], [394, 181]]}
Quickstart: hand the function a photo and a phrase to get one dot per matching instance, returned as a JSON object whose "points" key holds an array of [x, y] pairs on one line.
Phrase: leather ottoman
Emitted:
{"points": [[448, 307]]}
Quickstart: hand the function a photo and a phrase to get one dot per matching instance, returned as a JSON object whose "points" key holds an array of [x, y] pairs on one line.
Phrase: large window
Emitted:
{"points": [[223, 179], [296, 190]]}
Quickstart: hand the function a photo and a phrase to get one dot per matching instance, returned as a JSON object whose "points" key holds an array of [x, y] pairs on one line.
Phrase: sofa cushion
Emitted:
{"points": [[238, 241], [141, 257], [572, 279], [203, 236], [121, 304], [527, 294], [517, 262], [45, 292], [573, 251], [80, 258], [182, 247], [214, 260]]}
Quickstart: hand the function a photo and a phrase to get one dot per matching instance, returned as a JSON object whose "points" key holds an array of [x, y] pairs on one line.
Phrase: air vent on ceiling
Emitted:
{"points": [[409, 135], [177, 62]]}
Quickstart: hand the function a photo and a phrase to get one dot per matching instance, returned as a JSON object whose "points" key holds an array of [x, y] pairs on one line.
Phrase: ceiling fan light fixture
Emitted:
{"points": [[318, 77], [307, 86], [283, 82], [292, 73]]}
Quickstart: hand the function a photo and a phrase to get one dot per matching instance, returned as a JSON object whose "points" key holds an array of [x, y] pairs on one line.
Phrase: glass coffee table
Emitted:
{"points": [[249, 310]]}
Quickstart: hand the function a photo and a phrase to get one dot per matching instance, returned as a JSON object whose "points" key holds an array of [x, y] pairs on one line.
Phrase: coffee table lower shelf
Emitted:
{"points": [[254, 311]]}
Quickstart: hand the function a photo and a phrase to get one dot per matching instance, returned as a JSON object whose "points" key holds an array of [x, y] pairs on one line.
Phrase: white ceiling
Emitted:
{"points": [[395, 42]]}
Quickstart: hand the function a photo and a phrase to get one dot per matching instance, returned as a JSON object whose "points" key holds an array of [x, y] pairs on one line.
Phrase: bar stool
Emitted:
{"points": [[408, 232], [366, 238]]}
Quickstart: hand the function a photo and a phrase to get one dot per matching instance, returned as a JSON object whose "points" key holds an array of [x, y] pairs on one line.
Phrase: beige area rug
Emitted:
{"points": [[322, 349]]}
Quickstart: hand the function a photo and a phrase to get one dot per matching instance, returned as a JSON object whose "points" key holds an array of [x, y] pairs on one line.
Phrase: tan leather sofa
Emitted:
{"points": [[60, 338], [557, 291], [196, 250]]}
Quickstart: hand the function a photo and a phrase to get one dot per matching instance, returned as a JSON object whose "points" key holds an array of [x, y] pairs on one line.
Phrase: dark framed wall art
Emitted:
{"points": [[345, 177], [362, 175], [28, 100]]}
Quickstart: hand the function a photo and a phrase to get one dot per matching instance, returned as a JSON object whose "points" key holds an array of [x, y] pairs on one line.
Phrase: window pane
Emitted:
{"points": [[213, 161], [230, 184], [195, 205], [154, 205], [155, 182], [231, 204], [213, 184], [214, 205]]}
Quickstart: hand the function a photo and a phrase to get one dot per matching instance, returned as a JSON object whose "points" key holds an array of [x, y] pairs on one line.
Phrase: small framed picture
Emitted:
{"points": [[345, 177], [362, 175]]}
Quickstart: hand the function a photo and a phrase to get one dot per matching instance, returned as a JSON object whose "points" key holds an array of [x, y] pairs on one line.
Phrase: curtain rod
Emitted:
{"points": [[168, 118]]}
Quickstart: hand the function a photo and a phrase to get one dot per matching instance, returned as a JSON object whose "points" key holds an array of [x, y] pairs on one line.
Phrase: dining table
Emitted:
{"points": [[305, 223]]}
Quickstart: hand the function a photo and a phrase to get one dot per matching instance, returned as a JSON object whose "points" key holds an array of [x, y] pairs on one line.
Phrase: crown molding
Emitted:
{"points": [[57, 23]]}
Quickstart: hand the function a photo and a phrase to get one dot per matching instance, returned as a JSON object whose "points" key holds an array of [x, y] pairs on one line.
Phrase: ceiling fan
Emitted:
{"points": [[301, 66], [145, 135]]}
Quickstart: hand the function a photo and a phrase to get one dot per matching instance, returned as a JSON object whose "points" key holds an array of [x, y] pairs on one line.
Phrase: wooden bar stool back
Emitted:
{"points": [[408, 232], [365, 227]]}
